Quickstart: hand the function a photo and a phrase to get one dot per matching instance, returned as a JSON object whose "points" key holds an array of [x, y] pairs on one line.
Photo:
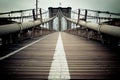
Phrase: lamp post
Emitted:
{"points": [[36, 9]]}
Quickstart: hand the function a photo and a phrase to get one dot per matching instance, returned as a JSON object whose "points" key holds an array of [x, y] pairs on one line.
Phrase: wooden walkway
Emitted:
{"points": [[86, 59]]}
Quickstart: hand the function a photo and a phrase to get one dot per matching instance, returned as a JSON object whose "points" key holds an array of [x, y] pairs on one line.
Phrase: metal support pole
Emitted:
{"points": [[78, 15], [36, 9], [40, 15], [97, 15], [21, 16], [33, 11], [86, 15]]}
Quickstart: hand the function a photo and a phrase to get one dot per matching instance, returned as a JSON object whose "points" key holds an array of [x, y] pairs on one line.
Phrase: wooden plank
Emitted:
{"points": [[89, 59], [30, 63]]}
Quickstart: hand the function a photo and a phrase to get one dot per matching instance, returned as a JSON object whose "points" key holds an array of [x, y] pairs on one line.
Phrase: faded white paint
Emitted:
{"points": [[59, 68]]}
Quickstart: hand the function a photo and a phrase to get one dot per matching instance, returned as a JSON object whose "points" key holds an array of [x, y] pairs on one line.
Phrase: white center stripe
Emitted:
{"points": [[59, 68]]}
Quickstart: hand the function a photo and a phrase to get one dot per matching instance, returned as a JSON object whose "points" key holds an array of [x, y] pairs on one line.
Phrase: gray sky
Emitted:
{"points": [[106, 5]]}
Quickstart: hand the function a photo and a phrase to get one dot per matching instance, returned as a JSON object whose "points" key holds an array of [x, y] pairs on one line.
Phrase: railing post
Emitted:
{"points": [[21, 16], [40, 15], [78, 16], [36, 9], [97, 15], [34, 17], [86, 15]]}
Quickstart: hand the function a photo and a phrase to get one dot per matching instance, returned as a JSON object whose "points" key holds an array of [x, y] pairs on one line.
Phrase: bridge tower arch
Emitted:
{"points": [[53, 11]]}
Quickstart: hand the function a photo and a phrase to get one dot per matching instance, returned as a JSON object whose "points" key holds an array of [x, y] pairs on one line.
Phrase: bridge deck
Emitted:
{"points": [[86, 60]]}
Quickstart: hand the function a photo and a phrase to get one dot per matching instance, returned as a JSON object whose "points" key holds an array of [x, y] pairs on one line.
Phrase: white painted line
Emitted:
{"points": [[59, 68], [14, 52]]}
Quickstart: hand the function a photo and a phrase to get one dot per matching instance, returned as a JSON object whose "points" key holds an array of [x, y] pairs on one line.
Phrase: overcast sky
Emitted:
{"points": [[106, 5]]}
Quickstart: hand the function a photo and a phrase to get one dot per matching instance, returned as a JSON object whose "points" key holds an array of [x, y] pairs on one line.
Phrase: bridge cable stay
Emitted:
{"points": [[20, 11], [17, 11], [14, 31], [107, 29], [105, 12], [98, 17], [10, 28]]}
